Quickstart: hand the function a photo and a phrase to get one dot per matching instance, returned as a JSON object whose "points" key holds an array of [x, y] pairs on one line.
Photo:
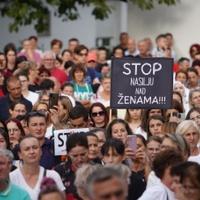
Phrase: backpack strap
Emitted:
{"points": [[45, 173]]}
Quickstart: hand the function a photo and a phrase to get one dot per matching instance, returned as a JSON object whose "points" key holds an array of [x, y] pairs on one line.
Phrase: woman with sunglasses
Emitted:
{"points": [[98, 115]]}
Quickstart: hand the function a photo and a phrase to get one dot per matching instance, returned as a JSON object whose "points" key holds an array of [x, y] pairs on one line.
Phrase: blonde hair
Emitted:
{"points": [[186, 125]]}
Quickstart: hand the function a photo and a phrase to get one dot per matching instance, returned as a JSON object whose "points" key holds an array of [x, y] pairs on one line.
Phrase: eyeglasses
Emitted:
{"points": [[95, 114], [117, 193]]}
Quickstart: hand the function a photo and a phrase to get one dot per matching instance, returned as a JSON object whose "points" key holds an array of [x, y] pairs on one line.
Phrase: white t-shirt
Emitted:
{"points": [[32, 97], [195, 159], [157, 192], [152, 180], [17, 178]]}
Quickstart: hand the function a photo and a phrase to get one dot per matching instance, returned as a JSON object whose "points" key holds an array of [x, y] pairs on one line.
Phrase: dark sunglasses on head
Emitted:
{"points": [[95, 114]]}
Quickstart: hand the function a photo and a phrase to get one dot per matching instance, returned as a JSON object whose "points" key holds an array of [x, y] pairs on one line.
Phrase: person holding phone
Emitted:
{"points": [[113, 152]]}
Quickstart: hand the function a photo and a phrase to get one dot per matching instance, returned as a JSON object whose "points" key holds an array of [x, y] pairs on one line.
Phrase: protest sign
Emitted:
{"points": [[60, 139], [141, 83]]}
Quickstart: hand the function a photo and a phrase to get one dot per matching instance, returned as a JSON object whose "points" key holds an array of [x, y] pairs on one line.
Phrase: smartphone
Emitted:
{"points": [[131, 141], [53, 99]]}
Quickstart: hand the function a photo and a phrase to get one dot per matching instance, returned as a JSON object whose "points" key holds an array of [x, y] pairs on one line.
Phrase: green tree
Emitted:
{"points": [[26, 12]]}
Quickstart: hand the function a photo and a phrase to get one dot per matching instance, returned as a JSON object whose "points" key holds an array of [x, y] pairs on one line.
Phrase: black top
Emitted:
{"points": [[5, 103]]}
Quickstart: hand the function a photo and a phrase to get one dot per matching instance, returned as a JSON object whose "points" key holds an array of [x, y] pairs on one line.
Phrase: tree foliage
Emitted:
{"points": [[26, 12]]}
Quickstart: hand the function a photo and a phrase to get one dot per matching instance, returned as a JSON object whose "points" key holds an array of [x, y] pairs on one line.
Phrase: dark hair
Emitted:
{"points": [[67, 84], [35, 114], [10, 47], [192, 173], [155, 117], [178, 93], [33, 37], [56, 41], [117, 121], [160, 36], [77, 67], [77, 112], [73, 40], [196, 63], [116, 48], [178, 170], [165, 159], [59, 59], [47, 84], [154, 138], [77, 139], [20, 59], [177, 106], [146, 116], [11, 79], [142, 139], [42, 69], [4, 133], [18, 123], [90, 134], [168, 34], [68, 64], [114, 144], [192, 70], [197, 46], [182, 59], [13, 104], [79, 48], [98, 104], [196, 109], [66, 50]]}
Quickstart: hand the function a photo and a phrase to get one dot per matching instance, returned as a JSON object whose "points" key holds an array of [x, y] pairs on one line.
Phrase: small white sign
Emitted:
{"points": [[60, 139]]}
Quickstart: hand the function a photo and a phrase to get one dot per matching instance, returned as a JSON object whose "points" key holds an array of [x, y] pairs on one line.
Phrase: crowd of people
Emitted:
{"points": [[151, 154]]}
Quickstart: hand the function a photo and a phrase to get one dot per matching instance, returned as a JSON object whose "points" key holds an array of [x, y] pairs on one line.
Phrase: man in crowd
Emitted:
{"points": [[107, 183], [37, 125], [9, 191], [14, 95]]}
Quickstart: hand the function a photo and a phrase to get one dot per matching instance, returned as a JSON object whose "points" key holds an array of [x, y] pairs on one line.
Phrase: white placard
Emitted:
{"points": [[60, 139]]}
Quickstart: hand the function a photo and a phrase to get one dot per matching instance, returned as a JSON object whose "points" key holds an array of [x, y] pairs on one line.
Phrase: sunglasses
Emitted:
{"points": [[95, 114]]}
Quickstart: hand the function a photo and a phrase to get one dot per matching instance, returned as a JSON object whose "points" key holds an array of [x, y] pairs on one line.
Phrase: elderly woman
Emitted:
{"points": [[190, 131]]}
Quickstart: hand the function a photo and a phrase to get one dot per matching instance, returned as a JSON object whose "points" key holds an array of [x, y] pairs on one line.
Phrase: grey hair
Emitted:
{"points": [[81, 176], [186, 125], [103, 173], [7, 153]]}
